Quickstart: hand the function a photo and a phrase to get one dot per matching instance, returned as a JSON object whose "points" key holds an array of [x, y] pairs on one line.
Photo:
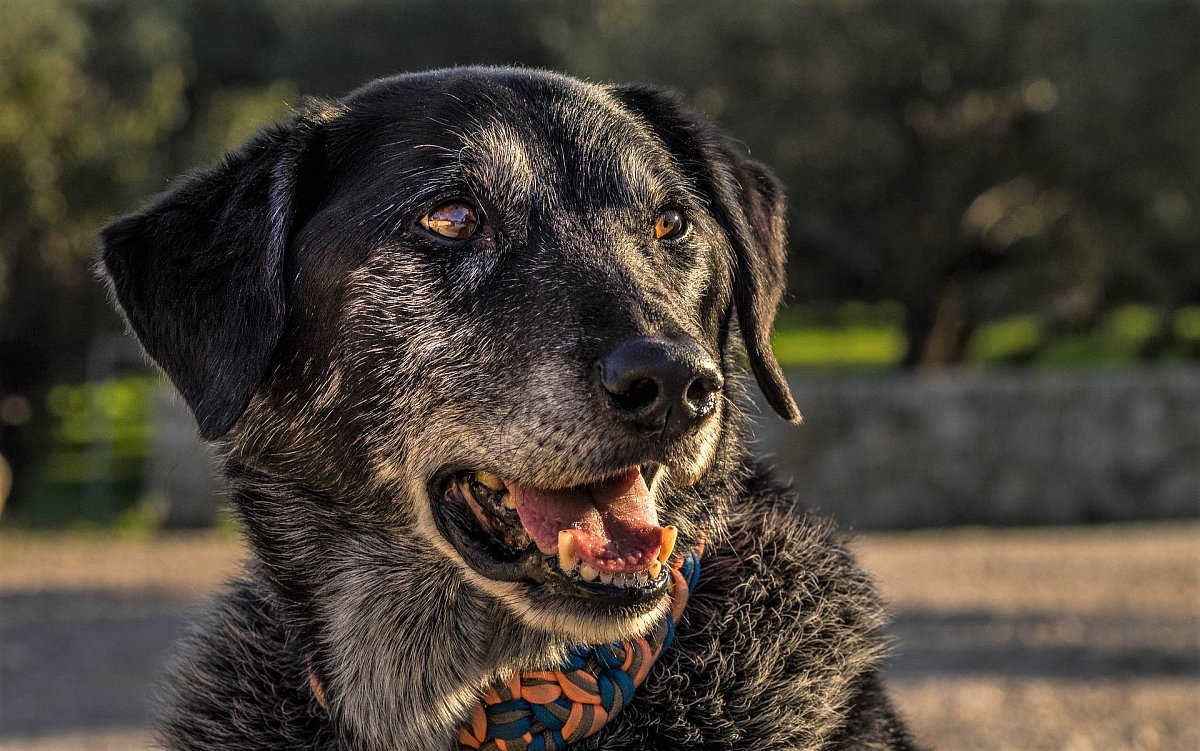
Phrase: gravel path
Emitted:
{"points": [[1081, 639], [1076, 639]]}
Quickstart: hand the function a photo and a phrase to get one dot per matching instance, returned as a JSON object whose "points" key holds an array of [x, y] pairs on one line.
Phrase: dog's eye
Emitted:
{"points": [[668, 224], [453, 220]]}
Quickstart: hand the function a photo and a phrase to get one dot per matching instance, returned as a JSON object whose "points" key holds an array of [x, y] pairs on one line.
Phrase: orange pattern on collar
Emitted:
{"points": [[548, 710]]}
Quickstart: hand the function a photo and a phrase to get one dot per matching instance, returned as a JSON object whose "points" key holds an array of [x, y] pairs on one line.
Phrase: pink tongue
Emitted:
{"points": [[614, 523]]}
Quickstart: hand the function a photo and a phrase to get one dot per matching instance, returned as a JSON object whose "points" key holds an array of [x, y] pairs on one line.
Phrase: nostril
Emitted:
{"points": [[701, 389], [638, 395]]}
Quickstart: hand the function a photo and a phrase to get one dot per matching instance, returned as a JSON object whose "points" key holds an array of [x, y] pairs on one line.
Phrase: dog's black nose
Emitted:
{"points": [[655, 385]]}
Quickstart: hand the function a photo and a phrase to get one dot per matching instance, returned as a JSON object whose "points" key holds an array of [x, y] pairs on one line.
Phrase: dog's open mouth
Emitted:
{"points": [[601, 540]]}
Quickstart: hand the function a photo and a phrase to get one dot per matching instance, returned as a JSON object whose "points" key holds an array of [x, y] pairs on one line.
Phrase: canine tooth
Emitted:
{"points": [[606, 577], [668, 543], [566, 551], [489, 480], [509, 503], [589, 572], [655, 568]]}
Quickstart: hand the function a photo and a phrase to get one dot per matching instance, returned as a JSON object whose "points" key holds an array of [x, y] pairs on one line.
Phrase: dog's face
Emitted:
{"points": [[493, 314]]}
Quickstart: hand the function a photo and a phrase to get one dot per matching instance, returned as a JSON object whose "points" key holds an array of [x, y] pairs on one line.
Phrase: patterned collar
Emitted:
{"points": [[549, 710]]}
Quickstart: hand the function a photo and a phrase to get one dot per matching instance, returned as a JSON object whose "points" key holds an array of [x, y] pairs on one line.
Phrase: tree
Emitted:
{"points": [[85, 97]]}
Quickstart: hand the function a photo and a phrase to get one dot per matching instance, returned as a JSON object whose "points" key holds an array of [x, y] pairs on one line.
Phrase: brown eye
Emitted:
{"points": [[668, 224], [453, 220]]}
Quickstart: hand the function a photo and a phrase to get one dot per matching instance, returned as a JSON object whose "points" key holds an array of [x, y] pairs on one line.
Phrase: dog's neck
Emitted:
{"points": [[401, 645], [405, 666], [580, 694]]}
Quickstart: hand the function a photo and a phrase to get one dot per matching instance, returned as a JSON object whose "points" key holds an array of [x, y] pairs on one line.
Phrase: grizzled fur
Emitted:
{"points": [[345, 361]]}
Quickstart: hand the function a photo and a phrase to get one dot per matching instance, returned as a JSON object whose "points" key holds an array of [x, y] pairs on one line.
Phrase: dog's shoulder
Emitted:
{"points": [[780, 585], [237, 681], [779, 647]]}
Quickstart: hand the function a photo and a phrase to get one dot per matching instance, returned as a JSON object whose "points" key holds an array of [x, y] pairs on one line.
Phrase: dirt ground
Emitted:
{"points": [[1075, 639]]}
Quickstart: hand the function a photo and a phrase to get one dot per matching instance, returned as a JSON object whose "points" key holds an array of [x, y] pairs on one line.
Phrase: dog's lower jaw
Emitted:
{"points": [[389, 693], [407, 636], [412, 637], [582, 629], [401, 645], [404, 664]]}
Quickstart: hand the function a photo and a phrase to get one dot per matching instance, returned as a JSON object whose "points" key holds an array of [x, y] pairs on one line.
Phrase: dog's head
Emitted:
{"points": [[495, 311]]}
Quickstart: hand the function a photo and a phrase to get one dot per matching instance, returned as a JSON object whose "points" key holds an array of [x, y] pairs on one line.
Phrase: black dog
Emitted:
{"points": [[468, 341]]}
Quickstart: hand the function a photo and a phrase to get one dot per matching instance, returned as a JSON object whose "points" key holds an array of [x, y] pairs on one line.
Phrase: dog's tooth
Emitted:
{"points": [[655, 568], [489, 480], [606, 577], [589, 572], [509, 503], [668, 543], [566, 550]]}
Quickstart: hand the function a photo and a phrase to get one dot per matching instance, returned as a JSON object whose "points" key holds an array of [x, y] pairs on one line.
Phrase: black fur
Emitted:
{"points": [[346, 360], [199, 274]]}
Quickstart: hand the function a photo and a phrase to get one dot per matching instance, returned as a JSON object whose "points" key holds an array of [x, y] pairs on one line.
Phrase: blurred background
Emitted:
{"points": [[993, 323]]}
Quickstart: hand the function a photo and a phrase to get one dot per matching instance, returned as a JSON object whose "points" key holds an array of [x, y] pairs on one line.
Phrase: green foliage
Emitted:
{"points": [[1187, 324], [87, 97], [114, 413], [101, 437]]}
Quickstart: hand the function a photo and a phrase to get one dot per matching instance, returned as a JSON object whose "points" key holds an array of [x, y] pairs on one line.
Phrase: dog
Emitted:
{"points": [[469, 343]]}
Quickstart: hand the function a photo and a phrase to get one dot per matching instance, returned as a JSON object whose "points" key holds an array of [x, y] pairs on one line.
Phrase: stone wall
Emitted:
{"points": [[182, 470], [994, 448]]}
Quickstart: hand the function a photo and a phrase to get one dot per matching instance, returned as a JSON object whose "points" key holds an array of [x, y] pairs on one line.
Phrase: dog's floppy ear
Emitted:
{"points": [[199, 273], [760, 279], [749, 204]]}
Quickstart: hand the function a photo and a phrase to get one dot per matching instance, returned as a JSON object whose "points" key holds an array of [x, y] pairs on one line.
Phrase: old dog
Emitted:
{"points": [[469, 344]]}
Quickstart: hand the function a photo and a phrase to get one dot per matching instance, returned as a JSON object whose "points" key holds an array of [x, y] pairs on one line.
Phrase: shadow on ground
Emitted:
{"points": [[83, 660], [1044, 645]]}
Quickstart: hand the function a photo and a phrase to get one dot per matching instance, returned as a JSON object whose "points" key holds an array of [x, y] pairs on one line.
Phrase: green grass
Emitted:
{"points": [[827, 346], [859, 336], [1006, 339]]}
